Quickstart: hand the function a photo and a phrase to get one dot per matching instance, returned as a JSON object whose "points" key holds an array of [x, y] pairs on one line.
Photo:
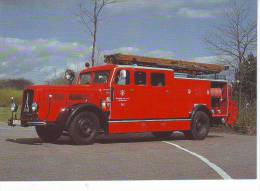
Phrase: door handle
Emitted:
{"points": [[132, 90], [112, 94]]}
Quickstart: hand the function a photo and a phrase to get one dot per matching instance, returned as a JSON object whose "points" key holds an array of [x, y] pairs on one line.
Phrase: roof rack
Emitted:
{"points": [[180, 66]]}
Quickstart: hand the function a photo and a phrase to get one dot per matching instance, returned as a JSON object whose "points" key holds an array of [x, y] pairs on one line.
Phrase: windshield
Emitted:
{"points": [[100, 77], [85, 78]]}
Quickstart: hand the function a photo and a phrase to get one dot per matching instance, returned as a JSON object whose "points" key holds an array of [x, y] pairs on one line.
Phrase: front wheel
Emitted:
{"points": [[48, 133], [200, 126], [83, 128]]}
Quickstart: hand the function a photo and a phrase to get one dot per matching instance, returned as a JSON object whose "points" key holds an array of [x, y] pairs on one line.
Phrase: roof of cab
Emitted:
{"points": [[99, 68]]}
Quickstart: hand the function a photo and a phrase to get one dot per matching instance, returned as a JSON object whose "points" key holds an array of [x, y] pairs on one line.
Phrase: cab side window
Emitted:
{"points": [[140, 78], [122, 77], [157, 79]]}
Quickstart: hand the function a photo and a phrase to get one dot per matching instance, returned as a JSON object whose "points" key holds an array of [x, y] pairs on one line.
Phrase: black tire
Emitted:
{"points": [[48, 133], [83, 128], [200, 126], [162, 135]]}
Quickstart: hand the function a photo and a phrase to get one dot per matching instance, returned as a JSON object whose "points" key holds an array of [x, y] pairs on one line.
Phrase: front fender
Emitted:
{"points": [[67, 115]]}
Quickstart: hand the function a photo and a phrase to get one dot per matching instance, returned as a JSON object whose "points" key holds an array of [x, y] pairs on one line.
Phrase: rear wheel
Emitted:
{"points": [[200, 126], [48, 133], [165, 134], [83, 128]]}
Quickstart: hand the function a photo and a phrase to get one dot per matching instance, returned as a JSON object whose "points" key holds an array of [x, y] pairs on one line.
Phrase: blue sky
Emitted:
{"points": [[39, 39]]}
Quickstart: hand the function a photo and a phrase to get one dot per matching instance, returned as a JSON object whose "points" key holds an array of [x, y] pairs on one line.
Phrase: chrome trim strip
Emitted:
{"points": [[147, 120], [204, 79], [37, 123]]}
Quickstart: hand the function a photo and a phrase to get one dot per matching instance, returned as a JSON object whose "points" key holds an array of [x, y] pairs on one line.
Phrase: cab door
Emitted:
{"points": [[129, 96], [130, 102], [121, 95]]}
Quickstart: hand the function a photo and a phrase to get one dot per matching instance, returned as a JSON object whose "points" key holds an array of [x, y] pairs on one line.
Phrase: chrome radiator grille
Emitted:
{"points": [[27, 101]]}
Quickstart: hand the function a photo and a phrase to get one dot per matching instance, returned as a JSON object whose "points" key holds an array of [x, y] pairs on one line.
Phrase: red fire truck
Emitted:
{"points": [[130, 94]]}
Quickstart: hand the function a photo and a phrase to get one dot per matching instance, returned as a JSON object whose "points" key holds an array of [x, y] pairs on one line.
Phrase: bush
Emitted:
{"points": [[7, 93], [19, 84], [247, 119]]}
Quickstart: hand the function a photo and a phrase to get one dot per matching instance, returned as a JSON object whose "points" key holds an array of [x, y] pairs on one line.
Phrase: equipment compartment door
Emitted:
{"points": [[162, 102]]}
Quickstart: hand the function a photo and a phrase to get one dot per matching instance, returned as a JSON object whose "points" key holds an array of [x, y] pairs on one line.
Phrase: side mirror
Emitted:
{"points": [[69, 75]]}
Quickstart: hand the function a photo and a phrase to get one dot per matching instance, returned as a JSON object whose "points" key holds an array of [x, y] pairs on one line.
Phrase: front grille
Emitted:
{"points": [[27, 101]]}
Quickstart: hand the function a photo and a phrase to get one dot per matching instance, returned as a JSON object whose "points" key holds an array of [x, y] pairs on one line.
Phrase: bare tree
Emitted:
{"points": [[235, 39], [91, 17]]}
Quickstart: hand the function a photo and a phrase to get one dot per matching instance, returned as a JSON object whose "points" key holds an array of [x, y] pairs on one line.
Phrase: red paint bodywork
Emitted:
{"points": [[139, 108]]}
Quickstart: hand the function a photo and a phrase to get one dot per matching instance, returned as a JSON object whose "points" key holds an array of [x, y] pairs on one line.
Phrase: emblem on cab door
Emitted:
{"points": [[122, 92]]}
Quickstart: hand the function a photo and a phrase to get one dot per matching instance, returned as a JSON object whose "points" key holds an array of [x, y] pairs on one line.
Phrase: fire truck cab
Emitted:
{"points": [[120, 97]]}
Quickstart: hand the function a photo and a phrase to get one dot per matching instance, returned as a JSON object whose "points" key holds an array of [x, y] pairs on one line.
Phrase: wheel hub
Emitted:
{"points": [[200, 126], [85, 127]]}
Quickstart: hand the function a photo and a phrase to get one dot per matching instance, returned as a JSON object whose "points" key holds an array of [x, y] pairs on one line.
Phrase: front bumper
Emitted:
{"points": [[27, 119], [35, 123], [15, 122]]}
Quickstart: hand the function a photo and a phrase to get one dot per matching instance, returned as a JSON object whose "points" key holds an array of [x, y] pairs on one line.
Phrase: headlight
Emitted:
{"points": [[34, 107], [14, 107], [103, 104]]}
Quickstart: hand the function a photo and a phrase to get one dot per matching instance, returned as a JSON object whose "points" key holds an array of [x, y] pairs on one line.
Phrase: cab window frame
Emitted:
{"points": [[90, 81], [99, 71], [146, 77], [128, 71], [164, 82]]}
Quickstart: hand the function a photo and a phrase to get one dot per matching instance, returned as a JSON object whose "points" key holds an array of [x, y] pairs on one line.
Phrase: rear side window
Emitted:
{"points": [[157, 79], [140, 78]]}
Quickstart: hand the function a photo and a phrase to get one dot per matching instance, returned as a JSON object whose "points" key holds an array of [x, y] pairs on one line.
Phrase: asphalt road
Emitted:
{"points": [[23, 156]]}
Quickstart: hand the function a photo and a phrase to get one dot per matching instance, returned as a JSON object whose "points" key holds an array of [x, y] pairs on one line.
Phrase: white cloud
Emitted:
{"points": [[43, 59], [39, 59], [4, 63], [208, 59], [126, 50], [137, 51], [196, 13], [182, 8], [160, 54], [220, 59]]}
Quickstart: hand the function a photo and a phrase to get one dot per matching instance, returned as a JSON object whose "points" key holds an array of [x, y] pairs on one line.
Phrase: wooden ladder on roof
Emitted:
{"points": [[180, 66]]}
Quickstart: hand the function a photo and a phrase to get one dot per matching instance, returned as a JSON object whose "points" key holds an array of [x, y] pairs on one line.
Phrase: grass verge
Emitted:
{"points": [[4, 114]]}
